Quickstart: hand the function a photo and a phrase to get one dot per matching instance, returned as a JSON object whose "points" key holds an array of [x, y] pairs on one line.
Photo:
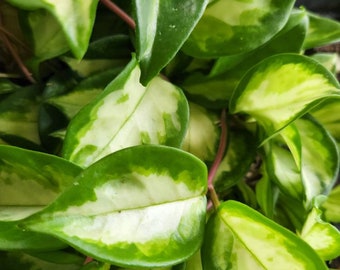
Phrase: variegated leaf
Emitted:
{"points": [[141, 206], [323, 237], [28, 182], [240, 238], [127, 114], [203, 133], [232, 26], [281, 88], [309, 143], [77, 31]]}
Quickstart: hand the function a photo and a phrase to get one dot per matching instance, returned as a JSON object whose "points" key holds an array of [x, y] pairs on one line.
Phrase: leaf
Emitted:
{"points": [[19, 114], [323, 237], [298, 81], [120, 117], [309, 143], [238, 237], [75, 17], [162, 28], [331, 206], [238, 27], [29, 181], [141, 206], [202, 135], [321, 31], [20, 260], [236, 162], [46, 35], [71, 102]]}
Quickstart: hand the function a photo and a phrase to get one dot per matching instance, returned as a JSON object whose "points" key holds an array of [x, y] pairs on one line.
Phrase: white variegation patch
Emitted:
{"points": [[138, 226], [138, 191]]}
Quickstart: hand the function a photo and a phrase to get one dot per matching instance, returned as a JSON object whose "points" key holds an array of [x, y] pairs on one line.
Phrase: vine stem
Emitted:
{"points": [[120, 13], [15, 55], [218, 160]]}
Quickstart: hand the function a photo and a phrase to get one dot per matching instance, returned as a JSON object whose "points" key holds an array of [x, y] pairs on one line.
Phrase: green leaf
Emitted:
{"points": [[232, 27], [20, 260], [238, 237], [46, 35], [236, 162], [331, 205], [202, 135], [71, 102], [141, 206], [75, 17], [19, 114], [162, 28], [281, 88], [327, 114], [321, 31], [309, 143], [29, 181], [323, 237], [120, 117]]}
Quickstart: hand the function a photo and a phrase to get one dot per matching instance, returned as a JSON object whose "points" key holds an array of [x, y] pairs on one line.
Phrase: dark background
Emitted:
{"points": [[330, 8]]}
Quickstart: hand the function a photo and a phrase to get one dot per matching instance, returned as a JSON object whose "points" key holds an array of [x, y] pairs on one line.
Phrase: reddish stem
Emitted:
{"points": [[15, 55], [218, 159], [88, 260], [120, 13]]}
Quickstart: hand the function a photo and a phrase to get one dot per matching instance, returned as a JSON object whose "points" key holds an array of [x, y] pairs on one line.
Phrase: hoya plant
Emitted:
{"points": [[158, 134]]}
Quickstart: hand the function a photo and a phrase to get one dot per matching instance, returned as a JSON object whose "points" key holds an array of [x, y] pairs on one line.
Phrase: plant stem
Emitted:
{"points": [[218, 159], [120, 13], [15, 55]]}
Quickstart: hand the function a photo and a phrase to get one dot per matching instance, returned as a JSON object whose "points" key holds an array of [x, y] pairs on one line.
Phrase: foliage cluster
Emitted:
{"points": [[184, 134]]}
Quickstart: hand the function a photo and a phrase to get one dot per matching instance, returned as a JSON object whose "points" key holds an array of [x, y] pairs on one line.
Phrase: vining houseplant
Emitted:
{"points": [[188, 134]]}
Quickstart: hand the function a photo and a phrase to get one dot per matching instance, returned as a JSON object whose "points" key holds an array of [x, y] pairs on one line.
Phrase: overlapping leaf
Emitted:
{"points": [[162, 28], [238, 237], [321, 235], [281, 88], [309, 143], [77, 31], [141, 206], [28, 182], [232, 27], [127, 114]]}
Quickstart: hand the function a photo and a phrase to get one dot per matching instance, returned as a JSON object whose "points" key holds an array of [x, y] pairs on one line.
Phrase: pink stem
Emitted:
{"points": [[218, 159], [120, 13]]}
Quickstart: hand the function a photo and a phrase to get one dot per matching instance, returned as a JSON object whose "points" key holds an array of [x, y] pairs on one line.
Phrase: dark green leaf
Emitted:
{"points": [[162, 28]]}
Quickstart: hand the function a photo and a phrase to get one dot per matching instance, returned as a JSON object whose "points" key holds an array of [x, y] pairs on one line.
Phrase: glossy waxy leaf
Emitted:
{"points": [[238, 26], [281, 88], [203, 133], [309, 143], [120, 117], [217, 87], [28, 182], [141, 206], [238, 237], [321, 31], [323, 237], [77, 31], [162, 28]]}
